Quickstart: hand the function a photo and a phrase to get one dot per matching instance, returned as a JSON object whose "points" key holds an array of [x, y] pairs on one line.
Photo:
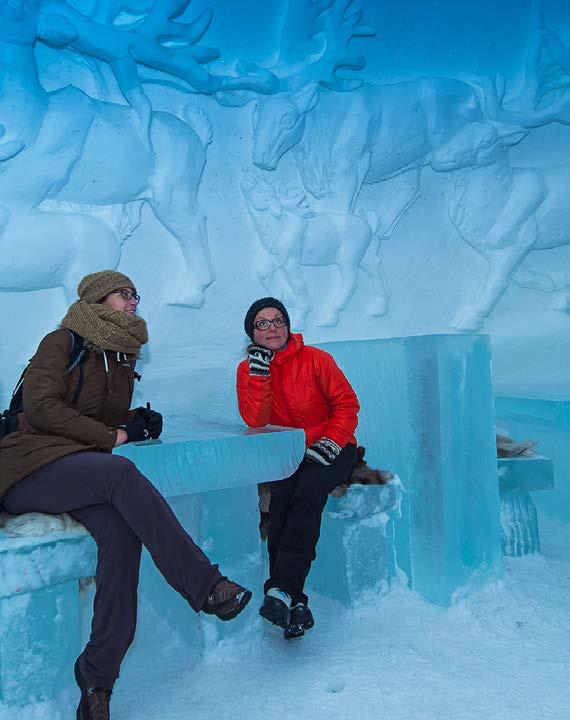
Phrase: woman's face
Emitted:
{"points": [[273, 337], [123, 300]]}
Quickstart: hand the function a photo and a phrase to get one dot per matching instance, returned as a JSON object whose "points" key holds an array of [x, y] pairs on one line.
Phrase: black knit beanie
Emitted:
{"points": [[266, 302]]}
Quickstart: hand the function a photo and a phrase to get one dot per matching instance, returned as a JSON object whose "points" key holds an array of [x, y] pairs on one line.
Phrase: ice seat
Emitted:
{"points": [[355, 555], [39, 611], [427, 414], [211, 481], [546, 420]]}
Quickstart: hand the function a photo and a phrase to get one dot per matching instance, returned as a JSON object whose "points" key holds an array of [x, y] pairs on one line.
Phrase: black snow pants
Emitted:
{"points": [[295, 512], [122, 510]]}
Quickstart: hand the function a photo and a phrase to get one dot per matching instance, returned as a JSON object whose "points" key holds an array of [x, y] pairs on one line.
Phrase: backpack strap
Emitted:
{"points": [[76, 358], [20, 381]]}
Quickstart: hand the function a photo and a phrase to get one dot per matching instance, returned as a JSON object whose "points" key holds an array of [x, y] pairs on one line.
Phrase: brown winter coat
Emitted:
{"points": [[51, 426]]}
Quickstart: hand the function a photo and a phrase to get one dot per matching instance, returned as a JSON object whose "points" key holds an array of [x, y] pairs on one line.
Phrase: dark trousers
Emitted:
{"points": [[295, 512], [122, 510]]}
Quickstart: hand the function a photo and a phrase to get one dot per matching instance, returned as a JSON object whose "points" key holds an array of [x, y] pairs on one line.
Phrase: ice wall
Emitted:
{"points": [[410, 196]]}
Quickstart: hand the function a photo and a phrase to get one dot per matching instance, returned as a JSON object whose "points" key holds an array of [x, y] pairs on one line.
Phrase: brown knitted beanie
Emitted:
{"points": [[96, 286]]}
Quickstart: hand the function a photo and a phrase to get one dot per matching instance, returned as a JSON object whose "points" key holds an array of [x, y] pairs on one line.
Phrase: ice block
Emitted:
{"points": [[355, 554], [546, 420], [519, 520], [427, 414], [199, 458]]}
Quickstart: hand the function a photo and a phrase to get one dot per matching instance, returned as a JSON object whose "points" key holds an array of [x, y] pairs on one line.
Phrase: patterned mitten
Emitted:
{"points": [[324, 451], [259, 359]]}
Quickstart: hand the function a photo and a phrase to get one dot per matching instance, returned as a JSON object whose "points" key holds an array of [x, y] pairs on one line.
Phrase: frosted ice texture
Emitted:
{"points": [[355, 555], [519, 520], [427, 414], [548, 422], [38, 642]]}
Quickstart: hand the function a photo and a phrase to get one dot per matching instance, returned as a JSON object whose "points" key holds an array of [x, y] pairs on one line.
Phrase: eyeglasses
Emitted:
{"points": [[127, 295], [279, 322]]}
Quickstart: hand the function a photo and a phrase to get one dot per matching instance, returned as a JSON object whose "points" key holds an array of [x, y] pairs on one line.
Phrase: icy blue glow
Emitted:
{"points": [[212, 457], [427, 414], [548, 422], [413, 201], [519, 521], [526, 473], [38, 643], [355, 556]]}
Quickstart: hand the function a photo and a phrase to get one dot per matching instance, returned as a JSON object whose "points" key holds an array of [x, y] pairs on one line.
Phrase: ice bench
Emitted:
{"points": [[39, 611], [210, 479], [518, 476], [546, 420], [356, 554]]}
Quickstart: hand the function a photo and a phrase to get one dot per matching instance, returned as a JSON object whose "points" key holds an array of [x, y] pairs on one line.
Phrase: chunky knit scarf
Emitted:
{"points": [[106, 328]]}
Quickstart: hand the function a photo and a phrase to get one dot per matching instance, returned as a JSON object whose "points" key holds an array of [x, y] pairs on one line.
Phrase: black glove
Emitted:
{"points": [[259, 359], [324, 451], [136, 429], [152, 422]]}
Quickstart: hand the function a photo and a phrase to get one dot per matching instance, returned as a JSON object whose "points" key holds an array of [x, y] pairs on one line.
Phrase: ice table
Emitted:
{"points": [[519, 523], [210, 474], [546, 420], [427, 414]]}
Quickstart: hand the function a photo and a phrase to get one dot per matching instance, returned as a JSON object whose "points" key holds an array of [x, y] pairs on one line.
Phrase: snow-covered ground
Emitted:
{"points": [[504, 653]]}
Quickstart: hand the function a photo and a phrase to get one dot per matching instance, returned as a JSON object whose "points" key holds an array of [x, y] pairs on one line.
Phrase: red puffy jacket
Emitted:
{"points": [[306, 389]]}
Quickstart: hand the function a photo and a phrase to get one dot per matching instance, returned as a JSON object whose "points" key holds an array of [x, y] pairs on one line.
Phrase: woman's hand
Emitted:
{"points": [[325, 451], [121, 437], [152, 420], [259, 359]]}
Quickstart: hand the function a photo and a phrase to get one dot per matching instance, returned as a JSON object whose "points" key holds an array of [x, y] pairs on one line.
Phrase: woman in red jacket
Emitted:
{"points": [[285, 382]]}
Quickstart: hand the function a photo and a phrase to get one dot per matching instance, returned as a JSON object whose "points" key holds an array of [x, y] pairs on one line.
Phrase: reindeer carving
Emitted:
{"points": [[525, 209], [294, 236], [65, 146], [344, 133]]}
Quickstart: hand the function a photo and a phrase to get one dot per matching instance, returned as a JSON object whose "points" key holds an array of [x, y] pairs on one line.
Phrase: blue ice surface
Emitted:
{"points": [[427, 414], [211, 482], [546, 420], [532, 473], [203, 457]]}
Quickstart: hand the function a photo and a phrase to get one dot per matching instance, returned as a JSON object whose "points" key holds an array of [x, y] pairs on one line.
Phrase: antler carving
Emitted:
{"points": [[542, 77], [325, 49], [157, 40]]}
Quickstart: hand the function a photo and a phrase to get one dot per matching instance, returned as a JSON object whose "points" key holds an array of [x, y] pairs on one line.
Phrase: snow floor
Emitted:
{"points": [[503, 653]]}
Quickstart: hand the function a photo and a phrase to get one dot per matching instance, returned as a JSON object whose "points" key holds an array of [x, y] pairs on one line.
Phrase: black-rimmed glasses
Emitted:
{"points": [[127, 295], [279, 322]]}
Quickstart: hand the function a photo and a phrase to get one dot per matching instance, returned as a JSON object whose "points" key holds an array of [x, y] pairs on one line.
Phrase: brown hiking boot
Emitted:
{"points": [[94, 703], [226, 600]]}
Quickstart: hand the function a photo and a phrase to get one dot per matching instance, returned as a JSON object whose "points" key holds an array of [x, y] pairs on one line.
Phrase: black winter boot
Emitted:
{"points": [[226, 600], [301, 620], [276, 607], [94, 702]]}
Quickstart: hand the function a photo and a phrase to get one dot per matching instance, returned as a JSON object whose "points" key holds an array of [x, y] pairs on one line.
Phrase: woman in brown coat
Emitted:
{"points": [[59, 460]]}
